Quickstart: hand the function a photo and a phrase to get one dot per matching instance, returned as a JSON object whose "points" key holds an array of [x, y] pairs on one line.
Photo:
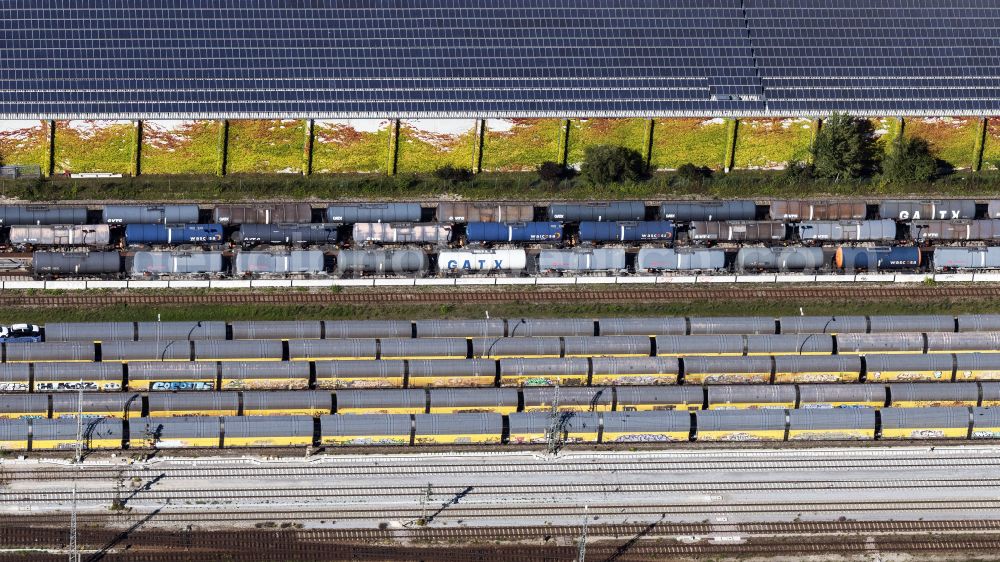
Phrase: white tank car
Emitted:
{"points": [[481, 260]]}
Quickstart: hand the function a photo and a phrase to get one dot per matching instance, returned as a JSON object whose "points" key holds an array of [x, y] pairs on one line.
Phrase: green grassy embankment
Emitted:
{"points": [[490, 186]]}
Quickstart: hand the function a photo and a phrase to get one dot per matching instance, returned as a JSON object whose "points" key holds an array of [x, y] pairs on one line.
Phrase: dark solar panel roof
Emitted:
{"points": [[413, 58]]}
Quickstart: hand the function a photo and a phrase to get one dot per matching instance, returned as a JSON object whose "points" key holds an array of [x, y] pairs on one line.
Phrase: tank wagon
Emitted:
{"points": [[946, 259], [514, 232], [11, 215], [76, 263], [382, 262], [878, 259], [582, 260], [300, 262], [481, 261], [176, 263], [621, 231], [150, 214], [597, 211], [686, 211], [373, 212], [668, 259], [92, 235], [779, 259], [158, 234]]}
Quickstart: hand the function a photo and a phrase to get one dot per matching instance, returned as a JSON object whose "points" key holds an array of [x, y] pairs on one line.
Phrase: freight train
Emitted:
{"points": [[225, 431], [439, 400], [410, 239]]}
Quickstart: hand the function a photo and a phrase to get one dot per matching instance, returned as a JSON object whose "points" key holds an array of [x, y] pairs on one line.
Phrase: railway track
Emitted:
{"points": [[502, 296], [354, 494], [344, 469], [335, 545]]}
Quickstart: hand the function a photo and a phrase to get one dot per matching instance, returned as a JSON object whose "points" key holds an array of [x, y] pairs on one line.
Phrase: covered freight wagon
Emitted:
{"points": [[818, 210], [163, 350], [499, 348], [458, 429], [852, 396], [983, 342], [15, 377], [925, 423], [424, 348], [89, 331], [482, 328], [823, 324], [977, 366], [642, 326], [955, 230], [683, 346], [514, 232], [463, 211], [426, 373], [858, 231], [727, 370], [598, 211], [366, 429], [277, 329], [736, 231], [338, 329], [382, 262], [267, 431], [401, 233], [644, 398], [836, 424], [283, 213], [42, 214], [751, 397], [238, 350], [741, 425], [71, 377], [174, 433], [626, 231], [195, 330], [582, 259], [817, 368], [95, 235], [50, 351], [255, 234], [332, 349], [75, 263], [735, 325], [149, 214], [577, 399], [646, 427], [305, 262], [122, 405], [533, 327], [171, 376], [606, 346], [373, 212], [151, 234], [544, 372], [167, 263], [465, 400], [569, 427], [172, 404], [382, 401], [687, 259], [684, 211], [634, 370], [360, 374], [922, 395], [268, 375], [98, 433], [287, 402]]}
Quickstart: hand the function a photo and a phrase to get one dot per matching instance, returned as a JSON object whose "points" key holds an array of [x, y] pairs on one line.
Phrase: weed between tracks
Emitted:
{"points": [[763, 307]]}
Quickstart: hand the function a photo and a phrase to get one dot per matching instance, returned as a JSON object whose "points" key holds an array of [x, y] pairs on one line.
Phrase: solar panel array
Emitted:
{"points": [[494, 58]]}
